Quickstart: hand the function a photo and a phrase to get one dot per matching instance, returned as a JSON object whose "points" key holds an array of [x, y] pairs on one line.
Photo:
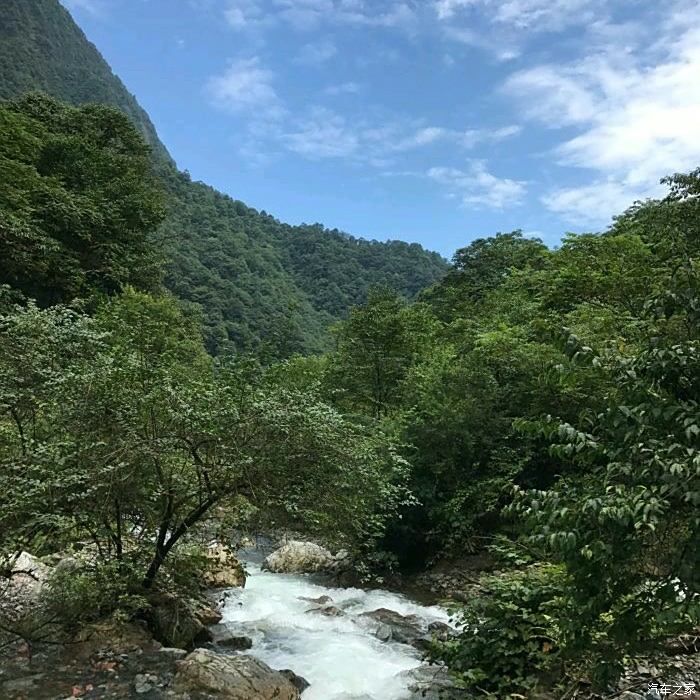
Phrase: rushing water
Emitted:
{"points": [[339, 657]]}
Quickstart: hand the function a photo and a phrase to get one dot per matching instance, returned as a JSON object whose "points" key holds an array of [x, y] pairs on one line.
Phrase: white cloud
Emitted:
{"points": [[246, 85], [541, 15], [244, 14], [472, 137], [584, 205], [348, 88], [636, 118], [478, 187], [307, 15], [317, 53], [422, 137], [323, 135]]}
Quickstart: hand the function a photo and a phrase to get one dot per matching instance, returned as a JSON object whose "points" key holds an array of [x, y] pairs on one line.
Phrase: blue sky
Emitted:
{"points": [[434, 121]]}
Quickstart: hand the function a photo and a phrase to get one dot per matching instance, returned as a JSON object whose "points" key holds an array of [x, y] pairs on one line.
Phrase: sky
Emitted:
{"points": [[434, 121]]}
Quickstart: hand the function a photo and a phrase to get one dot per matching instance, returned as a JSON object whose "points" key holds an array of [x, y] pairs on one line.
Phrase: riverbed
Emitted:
{"points": [[338, 655]]}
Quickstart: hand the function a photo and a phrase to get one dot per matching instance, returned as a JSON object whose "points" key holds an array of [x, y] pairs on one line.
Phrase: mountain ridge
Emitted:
{"points": [[257, 283]]}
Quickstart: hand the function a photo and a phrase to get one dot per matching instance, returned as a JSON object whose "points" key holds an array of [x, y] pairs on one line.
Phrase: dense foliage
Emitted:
{"points": [[539, 403], [562, 387], [78, 202], [125, 437], [120, 436], [41, 48]]}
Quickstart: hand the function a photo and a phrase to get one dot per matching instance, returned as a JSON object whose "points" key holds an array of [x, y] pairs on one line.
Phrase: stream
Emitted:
{"points": [[341, 659]]}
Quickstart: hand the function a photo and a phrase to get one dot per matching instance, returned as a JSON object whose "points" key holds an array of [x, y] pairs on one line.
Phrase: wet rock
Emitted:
{"points": [[225, 637], [300, 683], [328, 611], [224, 570], [389, 625], [205, 672], [175, 622], [297, 557], [321, 600], [207, 614], [441, 630], [433, 683]]}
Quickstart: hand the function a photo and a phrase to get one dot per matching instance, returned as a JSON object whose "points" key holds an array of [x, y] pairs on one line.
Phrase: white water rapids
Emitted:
{"points": [[341, 659]]}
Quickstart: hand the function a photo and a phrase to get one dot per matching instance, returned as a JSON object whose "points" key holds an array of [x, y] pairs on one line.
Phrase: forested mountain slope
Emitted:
{"points": [[260, 285]]}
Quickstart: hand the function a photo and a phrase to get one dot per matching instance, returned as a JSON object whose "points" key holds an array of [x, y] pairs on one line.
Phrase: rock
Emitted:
{"points": [[173, 653], [321, 600], [111, 637], [207, 614], [300, 683], [225, 637], [145, 682], [298, 557], [328, 610], [389, 625], [25, 581], [224, 570], [232, 678], [29, 568], [627, 695], [175, 622], [433, 683], [441, 631]]}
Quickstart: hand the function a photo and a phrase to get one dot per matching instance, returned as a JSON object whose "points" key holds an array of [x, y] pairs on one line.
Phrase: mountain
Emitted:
{"points": [[41, 48], [258, 284]]}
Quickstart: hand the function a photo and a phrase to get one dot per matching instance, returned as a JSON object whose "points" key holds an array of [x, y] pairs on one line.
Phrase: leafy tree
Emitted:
{"points": [[78, 202], [133, 442], [375, 348], [482, 267], [627, 524]]}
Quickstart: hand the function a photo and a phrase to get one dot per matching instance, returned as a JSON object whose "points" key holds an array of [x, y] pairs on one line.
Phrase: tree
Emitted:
{"points": [[375, 348], [135, 441], [626, 525], [79, 204], [482, 267]]}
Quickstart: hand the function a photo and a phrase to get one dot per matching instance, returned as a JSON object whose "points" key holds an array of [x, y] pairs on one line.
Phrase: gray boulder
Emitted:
{"points": [[433, 683], [226, 637], [390, 626], [175, 622], [297, 557], [206, 673]]}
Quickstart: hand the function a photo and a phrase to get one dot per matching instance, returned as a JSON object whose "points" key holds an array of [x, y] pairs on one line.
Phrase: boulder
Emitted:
{"points": [[29, 570], [25, 581], [225, 637], [205, 613], [300, 683], [390, 626], [205, 672], [297, 557], [112, 637], [175, 622], [328, 611], [321, 600], [433, 683], [223, 570]]}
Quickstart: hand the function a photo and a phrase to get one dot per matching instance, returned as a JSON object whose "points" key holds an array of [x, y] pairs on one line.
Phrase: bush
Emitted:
{"points": [[509, 639]]}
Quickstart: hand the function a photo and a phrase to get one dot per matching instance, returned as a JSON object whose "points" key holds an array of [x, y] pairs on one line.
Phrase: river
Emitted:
{"points": [[341, 659]]}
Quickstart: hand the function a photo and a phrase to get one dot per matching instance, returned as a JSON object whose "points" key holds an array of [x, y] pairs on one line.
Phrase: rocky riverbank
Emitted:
{"points": [[281, 634]]}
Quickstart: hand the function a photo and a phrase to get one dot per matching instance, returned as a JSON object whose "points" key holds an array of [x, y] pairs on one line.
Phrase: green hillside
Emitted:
{"points": [[259, 284]]}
